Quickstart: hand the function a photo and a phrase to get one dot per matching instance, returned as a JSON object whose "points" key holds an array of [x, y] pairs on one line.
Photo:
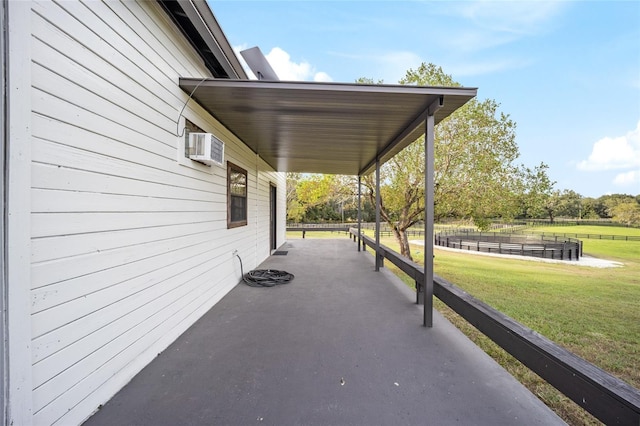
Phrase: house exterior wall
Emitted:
{"points": [[128, 243]]}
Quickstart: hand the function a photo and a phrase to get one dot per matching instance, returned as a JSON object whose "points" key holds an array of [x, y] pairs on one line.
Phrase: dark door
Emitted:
{"points": [[272, 217]]}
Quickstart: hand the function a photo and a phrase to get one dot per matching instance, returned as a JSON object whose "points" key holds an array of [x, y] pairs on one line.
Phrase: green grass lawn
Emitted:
{"points": [[593, 312]]}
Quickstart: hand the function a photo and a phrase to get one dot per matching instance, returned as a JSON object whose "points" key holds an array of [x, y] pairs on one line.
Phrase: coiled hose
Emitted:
{"points": [[265, 277]]}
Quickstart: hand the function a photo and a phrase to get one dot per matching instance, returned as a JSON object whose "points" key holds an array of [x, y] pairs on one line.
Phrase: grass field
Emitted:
{"points": [[592, 312]]}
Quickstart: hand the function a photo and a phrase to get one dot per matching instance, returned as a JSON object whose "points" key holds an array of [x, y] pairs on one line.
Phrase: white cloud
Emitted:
{"points": [[288, 70], [611, 153], [322, 76], [628, 179], [285, 68]]}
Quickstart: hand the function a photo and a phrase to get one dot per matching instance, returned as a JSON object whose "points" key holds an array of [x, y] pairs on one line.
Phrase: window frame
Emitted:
{"points": [[233, 168]]}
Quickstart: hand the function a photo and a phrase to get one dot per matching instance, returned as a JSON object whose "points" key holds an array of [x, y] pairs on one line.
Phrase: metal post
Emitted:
{"points": [[359, 209], [429, 166], [377, 214]]}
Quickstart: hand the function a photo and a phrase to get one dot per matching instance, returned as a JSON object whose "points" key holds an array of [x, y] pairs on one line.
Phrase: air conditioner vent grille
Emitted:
{"points": [[206, 148]]}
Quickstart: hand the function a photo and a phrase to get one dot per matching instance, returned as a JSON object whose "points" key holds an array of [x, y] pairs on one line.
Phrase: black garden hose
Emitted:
{"points": [[265, 277]]}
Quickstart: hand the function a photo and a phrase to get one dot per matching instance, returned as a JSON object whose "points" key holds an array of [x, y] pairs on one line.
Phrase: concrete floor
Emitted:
{"points": [[339, 345]]}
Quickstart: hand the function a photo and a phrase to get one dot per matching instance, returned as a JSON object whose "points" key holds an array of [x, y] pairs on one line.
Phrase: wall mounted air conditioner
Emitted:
{"points": [[206, 148]]}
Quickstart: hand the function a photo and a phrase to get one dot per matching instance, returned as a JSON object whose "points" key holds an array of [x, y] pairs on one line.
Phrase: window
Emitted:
{"points": [[236, 196]]}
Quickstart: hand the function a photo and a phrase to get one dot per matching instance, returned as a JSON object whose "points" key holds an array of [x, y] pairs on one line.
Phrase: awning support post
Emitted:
{"points": [[429, 168], [359, 209], [377, 255]]}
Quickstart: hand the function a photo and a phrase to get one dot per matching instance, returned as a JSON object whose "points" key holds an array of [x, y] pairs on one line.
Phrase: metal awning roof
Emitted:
{"points": [[332, 128]]}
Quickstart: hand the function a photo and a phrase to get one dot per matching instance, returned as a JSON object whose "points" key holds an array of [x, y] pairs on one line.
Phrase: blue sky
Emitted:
{"points": [[567, 72]]}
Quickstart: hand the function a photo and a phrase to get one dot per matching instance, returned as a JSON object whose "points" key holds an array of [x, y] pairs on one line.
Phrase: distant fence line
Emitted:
{"points": [[516, 228]]}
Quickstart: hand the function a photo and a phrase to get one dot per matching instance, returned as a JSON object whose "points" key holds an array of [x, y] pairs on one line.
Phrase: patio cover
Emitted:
{"points": [[331, 128]]}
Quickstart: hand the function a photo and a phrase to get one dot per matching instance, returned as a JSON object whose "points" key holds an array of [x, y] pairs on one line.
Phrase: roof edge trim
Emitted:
{"points": [[199, 26], [344, 87], [214, 31]]}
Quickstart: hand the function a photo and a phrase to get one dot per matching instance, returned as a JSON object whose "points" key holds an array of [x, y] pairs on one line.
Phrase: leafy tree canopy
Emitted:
{"points": [[474, 173]]}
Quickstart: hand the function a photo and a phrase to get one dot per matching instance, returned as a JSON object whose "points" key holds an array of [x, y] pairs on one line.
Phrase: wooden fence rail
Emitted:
{"points": [[606, 397]]}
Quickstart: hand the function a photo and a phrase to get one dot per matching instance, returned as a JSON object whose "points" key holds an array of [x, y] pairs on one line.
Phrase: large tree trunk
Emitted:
{"points": [[403, 240], [399, 228], [550, 215]]}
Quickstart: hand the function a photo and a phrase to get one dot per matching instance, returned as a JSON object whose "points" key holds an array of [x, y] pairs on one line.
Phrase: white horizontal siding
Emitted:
{"points": [[54, 177], [129, 247]]}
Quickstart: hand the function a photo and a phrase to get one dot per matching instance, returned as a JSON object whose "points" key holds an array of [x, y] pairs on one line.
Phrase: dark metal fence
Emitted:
{"points": [[512, 244], [606, 397]]}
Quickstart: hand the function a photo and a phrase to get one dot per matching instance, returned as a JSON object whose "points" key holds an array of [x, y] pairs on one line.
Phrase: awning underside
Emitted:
{"points": [[331, 128]]}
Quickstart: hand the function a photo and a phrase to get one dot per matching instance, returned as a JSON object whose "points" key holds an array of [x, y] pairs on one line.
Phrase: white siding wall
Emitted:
{"points": [[129, 246]]}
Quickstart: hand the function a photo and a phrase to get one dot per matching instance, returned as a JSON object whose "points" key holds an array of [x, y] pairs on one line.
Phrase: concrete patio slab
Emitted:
{"points": [[340, 345]]}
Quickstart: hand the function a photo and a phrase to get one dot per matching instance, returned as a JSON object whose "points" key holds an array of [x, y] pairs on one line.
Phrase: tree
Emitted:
{"points": [[627, 213], [474, 175], [611, 201], [535, 191], [551, 205], [569, 204], [402, 194], [295, 210], [316, 198], [566, 203], [588, 208], [600, 208]]}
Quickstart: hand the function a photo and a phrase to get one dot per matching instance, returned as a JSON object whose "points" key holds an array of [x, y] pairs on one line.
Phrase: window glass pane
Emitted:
{"points": [[238, 184], [236, 196], [238, 209]]}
